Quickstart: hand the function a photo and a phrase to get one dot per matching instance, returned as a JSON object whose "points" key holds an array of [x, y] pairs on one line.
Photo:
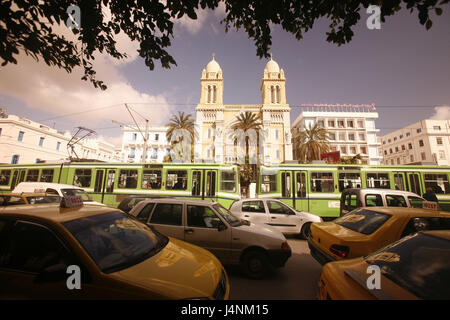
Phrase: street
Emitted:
{"points": [[296, 281]]}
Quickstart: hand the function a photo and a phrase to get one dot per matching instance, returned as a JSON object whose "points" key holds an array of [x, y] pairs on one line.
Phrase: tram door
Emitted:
{"points": [[104, 183], [293, 189], [210, 186], [414, 183], [18, 177]]}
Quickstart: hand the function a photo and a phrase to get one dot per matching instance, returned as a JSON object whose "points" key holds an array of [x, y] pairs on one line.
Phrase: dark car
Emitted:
{"points": [[129, 202]]}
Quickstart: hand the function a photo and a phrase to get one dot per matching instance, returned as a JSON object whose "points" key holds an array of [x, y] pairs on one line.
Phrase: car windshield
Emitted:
{"points": [[419, 263], [77, 192], [115, 241], [363, 221], [227, 215]]}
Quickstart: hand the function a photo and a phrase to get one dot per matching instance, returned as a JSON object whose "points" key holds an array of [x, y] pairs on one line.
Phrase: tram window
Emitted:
{"points": [[438, 182], [322, 182], [196, 178], [47, 175], [228, 181], [301, 185], [32, 175], [378, 180], [176, 180], [82, 178], [268, 183], [286, 184], [398, 180], [4, 177], [128, 179], [349, 180], [151, 179]]}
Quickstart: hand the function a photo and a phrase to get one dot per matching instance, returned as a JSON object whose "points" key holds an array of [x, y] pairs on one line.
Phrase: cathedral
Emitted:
{"points": [[217, 142]]}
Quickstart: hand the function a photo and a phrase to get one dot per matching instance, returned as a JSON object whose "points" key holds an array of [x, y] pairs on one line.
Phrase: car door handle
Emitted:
{"points": [[246, 215], [189, 231], [273, 217]]}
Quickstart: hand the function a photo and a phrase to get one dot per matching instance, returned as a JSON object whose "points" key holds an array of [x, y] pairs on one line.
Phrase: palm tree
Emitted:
{"points": [[311, 143], [181, 122], [245, 122], [352, 160]]}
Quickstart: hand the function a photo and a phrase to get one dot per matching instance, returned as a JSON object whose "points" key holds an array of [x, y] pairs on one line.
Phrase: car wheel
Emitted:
{"points": [[255, 264], [305, 232]]}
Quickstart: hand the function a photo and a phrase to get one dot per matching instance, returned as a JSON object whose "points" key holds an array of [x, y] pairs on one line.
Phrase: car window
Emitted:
{"points": [[278, 208], [167, 213], [395, 201], [145, 212], [363, 221], [417, 224], [419, 263], [227, 215], [51, 191], [76, 192], [43, 199], [31, 248], [374, 200], [415, 202], [10, 201], [202, 217], [253, 206]]}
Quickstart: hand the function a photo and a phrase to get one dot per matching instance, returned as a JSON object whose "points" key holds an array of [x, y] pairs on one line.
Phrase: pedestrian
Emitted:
{"points": [[430, 195]]}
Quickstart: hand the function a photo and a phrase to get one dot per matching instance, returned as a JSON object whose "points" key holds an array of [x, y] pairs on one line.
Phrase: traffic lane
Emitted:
{"points": [[297, 280]]}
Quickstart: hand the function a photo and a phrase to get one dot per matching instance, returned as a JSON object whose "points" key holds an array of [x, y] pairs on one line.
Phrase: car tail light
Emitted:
{"points": [[285, 246], [340, 251]]}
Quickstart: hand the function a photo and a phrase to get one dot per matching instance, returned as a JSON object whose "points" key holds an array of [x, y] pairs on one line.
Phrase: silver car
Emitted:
{"points": [[258, 249], [276, 214]]}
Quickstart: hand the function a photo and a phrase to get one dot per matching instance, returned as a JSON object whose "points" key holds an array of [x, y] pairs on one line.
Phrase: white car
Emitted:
{"points": [[55, 188], [275, 213]]}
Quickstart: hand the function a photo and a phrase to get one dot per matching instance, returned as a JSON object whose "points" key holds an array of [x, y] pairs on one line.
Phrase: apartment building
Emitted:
{"points": [[133, 144], [426, 141]]}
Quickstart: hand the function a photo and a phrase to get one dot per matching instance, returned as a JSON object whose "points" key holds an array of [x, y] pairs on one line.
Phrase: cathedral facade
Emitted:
{"points": [[217, 142]]}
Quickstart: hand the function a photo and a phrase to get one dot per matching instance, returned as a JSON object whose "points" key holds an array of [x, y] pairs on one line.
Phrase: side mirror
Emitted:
{"points": [[221, 227], [53, 273]]}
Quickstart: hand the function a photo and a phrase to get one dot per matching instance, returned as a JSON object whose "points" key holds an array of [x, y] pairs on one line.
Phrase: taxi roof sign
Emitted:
{"points": [[71, 201], [431, 205]]}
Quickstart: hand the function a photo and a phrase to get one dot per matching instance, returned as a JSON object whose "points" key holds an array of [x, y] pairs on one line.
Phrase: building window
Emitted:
{"points": [[331, 123], [389, 140], [364, 150], [340, 123], [403, 147], [421, 143], [278, 95], [419, 130], [411, 157], [395, 138], [398, 160], [342, 136], [155, 153], [58, 145], [351, 137], [390, 150], [321, 123], [362, 137], [272, 91], [401, 136], [277, 134], [332, 136], [41, 141], [385, 152], [15, 159], [352, 150], [350, 124], [441, 155], [384, 142], [343, 150], [438, 128], [396, 149], [1, 131], [132, 153], [360, 124], [409, 146], [439, 141], [20, 137], [156, 136], [392, 161], [408, 134], [423, 155]]}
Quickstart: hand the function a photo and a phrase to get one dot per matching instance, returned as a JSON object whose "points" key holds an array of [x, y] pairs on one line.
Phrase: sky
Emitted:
{"points": [[402, 68]]}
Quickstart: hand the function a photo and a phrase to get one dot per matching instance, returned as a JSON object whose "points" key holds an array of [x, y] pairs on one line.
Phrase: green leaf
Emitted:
{"points": [[438, 11], [429, 24]]}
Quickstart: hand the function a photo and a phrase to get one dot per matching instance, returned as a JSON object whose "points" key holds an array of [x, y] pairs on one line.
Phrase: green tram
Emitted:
{"points": [[110, 183], [317, 188]]}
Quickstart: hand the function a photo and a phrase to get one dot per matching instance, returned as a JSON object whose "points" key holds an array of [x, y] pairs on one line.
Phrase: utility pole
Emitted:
{"points": [[144, 153]]}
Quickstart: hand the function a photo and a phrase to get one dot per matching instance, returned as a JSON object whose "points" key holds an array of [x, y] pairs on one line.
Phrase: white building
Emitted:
{"points": [[133, 144], [352, 129], [216, 142], [26, 141], [423, 141]]}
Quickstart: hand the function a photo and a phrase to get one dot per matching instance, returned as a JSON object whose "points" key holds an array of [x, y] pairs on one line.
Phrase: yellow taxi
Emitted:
{"points": [[364, 230], [415, 267], [11, 199], [91, 252]]}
